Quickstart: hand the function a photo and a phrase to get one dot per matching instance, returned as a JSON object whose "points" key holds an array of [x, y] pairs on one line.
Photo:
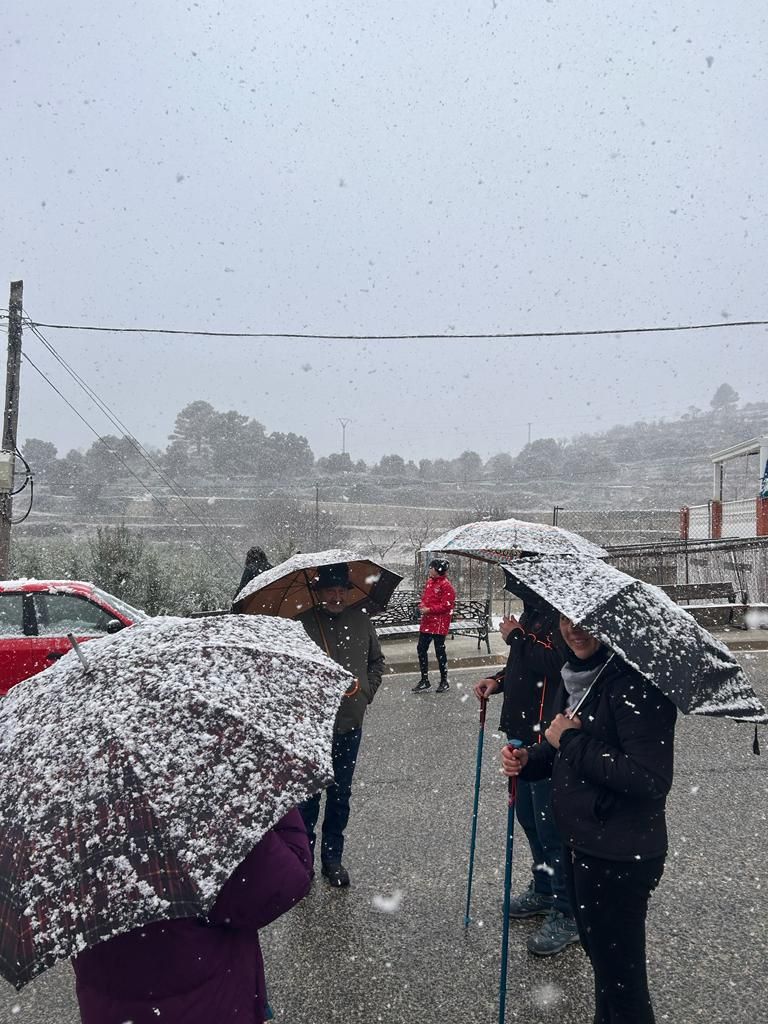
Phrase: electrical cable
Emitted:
{"points": [[436, 336], [209, 525], [125, 465]]}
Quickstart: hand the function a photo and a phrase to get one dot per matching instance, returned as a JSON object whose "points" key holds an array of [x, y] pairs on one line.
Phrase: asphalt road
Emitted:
{"points": [[393, 948]]}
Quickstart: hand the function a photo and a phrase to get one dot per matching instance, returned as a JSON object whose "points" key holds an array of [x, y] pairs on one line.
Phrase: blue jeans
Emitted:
{"points": [[534, 812], [337, 796]]}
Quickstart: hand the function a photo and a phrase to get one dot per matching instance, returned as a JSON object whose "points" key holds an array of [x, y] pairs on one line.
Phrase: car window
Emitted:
{"points": [[11, 615], [59, 614]]}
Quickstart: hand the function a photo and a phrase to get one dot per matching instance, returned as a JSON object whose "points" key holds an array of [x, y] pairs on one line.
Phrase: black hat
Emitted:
{"points": [[440, 566], [333, 576]]}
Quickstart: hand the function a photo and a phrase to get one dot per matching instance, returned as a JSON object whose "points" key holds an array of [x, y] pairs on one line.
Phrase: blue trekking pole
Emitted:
{"points": [[512, 796], [480, 738]]}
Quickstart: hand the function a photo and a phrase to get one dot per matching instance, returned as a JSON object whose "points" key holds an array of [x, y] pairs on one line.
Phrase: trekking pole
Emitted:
{"points": [[480, 738], [512, 796]]}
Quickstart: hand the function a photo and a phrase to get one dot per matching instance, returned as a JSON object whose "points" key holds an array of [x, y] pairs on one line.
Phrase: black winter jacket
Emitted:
{"points": [[610, 778], [532, 675]]}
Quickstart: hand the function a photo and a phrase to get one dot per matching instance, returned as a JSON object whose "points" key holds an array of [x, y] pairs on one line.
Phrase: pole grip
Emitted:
{"points": [[483, 710], [512, 780]]}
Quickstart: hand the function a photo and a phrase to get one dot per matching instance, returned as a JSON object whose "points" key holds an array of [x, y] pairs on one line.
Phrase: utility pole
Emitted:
{"points": [[11, 418], [317, 516], [344, 423], [529, 432]]}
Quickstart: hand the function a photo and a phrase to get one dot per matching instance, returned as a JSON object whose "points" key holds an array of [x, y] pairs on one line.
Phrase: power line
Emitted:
{"points": [[436, 336], [137, 446], [122, 461]]}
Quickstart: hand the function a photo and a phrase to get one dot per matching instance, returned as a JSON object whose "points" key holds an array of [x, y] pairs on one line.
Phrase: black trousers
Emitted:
{"points": [[425, 639], [610, 904]]}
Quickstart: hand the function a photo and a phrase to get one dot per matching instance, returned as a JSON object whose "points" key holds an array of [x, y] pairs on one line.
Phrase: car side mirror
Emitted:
{"points": [[115, 625]]}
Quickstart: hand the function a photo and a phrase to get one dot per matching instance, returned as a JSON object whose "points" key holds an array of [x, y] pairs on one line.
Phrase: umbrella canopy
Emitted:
{"points": [[647, 630], [510, 538], [130, 791], [288, 589]]}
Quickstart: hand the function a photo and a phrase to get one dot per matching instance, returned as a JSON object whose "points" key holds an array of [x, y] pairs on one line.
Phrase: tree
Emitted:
{"points": [[116, 554], [336, 462], [41, 456], [469, 467], [392, 465], [542, 458], [193, 425], [501, 467], [724, 398]]}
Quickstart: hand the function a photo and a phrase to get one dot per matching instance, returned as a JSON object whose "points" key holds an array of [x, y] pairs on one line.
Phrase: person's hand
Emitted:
{"points": [[485, 687], [558, 726], [423, 608], [507, 624], [513, 760]]}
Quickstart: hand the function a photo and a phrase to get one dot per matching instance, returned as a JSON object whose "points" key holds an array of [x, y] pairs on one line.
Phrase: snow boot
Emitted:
{"points": [[422, 685], [443, 685]]}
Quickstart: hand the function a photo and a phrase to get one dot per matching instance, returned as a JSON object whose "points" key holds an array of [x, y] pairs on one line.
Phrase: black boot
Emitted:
{"points": [[423, 684], [443, 685]]}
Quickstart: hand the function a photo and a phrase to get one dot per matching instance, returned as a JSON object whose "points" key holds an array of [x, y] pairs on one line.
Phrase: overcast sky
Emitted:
{"points": [[385, 168]]}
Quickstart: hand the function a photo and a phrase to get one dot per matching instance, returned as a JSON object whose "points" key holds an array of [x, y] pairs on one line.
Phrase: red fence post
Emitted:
{"points": [[761, 517], [685, 522], [715, 519]]}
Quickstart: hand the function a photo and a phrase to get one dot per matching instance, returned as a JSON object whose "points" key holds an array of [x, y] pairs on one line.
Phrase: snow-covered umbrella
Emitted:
{"points": [[647, 630], [504, 539], [130, 791], [288, 589]]}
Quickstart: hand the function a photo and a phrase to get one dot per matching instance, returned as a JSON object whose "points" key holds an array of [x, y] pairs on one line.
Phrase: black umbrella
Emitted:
{"points": [[647, 630], [130, 790]]}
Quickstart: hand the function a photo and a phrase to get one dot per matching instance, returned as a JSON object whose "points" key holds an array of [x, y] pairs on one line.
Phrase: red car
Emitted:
{"points": [[36, 615]]}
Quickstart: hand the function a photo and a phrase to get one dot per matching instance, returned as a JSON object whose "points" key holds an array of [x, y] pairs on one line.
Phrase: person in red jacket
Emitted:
{"points": [[437, 604], [195, 971]]}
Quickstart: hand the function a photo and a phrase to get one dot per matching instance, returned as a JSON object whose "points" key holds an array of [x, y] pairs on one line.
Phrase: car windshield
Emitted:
{"points": [[121, 606]]}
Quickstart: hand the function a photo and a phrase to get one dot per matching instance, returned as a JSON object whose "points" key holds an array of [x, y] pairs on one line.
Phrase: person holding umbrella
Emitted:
{"points": [[611, 766], [347, 635], [195, 971], [530, 683], [437, 604]]}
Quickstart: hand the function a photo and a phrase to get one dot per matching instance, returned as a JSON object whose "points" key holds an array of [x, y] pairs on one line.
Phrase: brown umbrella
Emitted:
{"points": [[289, 588]]}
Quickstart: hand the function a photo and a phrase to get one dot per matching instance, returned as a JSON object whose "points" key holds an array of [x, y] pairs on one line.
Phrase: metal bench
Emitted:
{"points": [[402, 618], [712, 595]]}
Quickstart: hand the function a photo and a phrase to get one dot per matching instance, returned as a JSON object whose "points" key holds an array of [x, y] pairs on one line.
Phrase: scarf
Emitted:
{"points": [[579, 674]]}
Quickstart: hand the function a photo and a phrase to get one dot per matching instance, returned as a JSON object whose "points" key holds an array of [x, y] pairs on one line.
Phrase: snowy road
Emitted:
{"points": [[393, 949]]}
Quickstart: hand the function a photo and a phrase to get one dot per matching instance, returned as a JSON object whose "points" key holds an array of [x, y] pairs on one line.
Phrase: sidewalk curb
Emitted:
{"points": [[394, 668]]}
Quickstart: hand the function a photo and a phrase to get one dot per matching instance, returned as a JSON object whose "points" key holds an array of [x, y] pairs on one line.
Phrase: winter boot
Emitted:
{"points": [[423, 684], [443, 685]]}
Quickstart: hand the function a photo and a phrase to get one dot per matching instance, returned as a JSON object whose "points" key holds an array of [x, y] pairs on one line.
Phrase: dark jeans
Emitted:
{"points": [[534, 812], [425, 639], [337, 796], [610, 902]]}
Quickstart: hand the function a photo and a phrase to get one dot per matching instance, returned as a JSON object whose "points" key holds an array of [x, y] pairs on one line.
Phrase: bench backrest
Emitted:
{"points": [[684, 592]]}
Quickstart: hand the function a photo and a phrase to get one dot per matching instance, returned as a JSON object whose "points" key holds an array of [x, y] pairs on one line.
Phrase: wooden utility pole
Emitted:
{"points": [[11, 418]]}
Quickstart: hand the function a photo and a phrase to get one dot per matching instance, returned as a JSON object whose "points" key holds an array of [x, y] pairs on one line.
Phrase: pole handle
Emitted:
{"points": [[512, 781], [483, 710]]}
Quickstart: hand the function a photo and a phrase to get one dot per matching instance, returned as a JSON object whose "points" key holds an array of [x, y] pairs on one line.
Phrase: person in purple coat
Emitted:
{"points": [[191, 971]]}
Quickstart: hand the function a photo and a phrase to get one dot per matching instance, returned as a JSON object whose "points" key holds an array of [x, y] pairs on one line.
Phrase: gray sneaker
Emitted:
{"points": [[530, 903], [557, 932]]}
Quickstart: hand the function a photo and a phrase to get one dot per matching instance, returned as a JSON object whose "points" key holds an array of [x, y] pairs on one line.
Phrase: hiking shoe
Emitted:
{"points": [[337, 875], [530, 903], [443, 686], [557, 932], [423, 684]]}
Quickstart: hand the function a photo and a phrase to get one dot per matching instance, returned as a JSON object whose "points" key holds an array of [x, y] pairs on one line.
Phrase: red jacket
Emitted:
{"points": [[439, 597]]}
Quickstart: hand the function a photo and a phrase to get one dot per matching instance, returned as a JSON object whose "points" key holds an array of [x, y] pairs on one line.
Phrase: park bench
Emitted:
{"points": [[712, 597], [402, 618]]}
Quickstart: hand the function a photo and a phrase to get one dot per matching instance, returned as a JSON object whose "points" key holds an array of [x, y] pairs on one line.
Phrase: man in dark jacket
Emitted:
{"points": [[530, 683], [190, 971], [347, 635]]}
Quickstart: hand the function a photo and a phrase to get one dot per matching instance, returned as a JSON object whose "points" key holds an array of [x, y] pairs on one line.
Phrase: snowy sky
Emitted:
{"points": [[386, 167]]}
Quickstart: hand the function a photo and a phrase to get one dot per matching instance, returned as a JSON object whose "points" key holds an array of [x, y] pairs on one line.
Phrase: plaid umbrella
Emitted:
{"points": [[130, 791], [288, 589], [647, 630], [510, 538]]}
